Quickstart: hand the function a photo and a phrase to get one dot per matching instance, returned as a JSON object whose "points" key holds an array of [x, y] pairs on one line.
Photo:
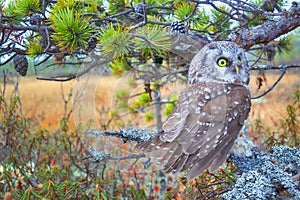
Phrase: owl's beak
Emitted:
{"points": [[237, 69], [234, 69]]}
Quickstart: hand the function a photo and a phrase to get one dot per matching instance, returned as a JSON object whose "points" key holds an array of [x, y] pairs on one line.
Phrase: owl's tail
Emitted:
{"points": [[167, 155]]}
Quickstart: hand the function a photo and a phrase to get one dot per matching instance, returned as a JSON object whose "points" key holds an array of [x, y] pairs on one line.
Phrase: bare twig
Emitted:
{"points": [[101, 156], [283, 71], [70, 76], [269, 67]]}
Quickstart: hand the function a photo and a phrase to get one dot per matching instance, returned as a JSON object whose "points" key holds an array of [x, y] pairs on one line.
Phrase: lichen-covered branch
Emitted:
{"points": [[128, 134], [101, 156]]}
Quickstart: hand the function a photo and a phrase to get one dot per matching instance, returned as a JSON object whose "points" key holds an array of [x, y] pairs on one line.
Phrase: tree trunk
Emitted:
{"points": [[157, 100]]}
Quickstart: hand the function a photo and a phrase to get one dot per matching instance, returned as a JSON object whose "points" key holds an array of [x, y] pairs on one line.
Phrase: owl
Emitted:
{"points": [[209, 114]]}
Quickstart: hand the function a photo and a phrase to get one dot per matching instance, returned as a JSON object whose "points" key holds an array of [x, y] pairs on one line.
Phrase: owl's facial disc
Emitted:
{"points": [[223, 61], [231, 65]]}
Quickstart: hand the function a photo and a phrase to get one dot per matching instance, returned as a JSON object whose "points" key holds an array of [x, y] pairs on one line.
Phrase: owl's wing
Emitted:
{"points": [[201, 129]]}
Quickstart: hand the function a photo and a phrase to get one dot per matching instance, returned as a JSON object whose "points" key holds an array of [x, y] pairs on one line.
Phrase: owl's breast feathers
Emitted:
{"points": [[202, 128]]}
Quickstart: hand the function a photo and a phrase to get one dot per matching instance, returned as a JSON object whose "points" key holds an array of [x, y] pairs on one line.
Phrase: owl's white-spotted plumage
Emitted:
{"points": [[209, 113]]}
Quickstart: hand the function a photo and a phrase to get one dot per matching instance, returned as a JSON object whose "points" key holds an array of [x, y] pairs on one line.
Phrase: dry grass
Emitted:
{"points": [[272, 106], [43, 101]]}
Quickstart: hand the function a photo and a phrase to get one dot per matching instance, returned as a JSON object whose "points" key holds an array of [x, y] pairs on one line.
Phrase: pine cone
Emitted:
{"points": [[158, 59], [36, 19], [21, 64], [139, 8], [178, 27]]}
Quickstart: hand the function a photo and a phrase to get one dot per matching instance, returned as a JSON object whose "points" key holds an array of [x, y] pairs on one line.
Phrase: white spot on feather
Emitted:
{"points": [[201, 104], [207, 90], [206, 96], [235, 113], [236, 102]]}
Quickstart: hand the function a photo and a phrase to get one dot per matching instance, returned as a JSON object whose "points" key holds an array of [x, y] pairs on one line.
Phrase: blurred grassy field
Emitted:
{"points": [[43, 101]]}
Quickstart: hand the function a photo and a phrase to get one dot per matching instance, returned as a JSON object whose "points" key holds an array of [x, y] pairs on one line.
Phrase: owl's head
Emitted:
{"points": [[224, 61]]}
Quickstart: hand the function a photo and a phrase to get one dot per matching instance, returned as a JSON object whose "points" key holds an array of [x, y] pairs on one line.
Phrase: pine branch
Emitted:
{"points": [[269, 30], [24, 28]]}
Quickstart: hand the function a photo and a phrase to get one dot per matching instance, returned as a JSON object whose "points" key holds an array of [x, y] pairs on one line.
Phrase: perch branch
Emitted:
{"points": [[128, 134]]}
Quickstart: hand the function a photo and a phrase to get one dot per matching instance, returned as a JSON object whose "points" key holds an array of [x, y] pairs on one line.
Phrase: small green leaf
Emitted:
{"points": [[116, 6], [118, 66], [284, 45], [170, 106], [144, 98], [34, 47], [120, 123], [122, 94], [113, 113], [149, 116]]}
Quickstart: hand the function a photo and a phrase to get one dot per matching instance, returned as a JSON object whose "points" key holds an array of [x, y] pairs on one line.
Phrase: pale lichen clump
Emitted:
{"points": [[267, 176]]}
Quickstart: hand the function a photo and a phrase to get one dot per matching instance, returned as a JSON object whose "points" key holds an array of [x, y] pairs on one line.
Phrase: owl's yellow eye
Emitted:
{"points": [[222, 62]]}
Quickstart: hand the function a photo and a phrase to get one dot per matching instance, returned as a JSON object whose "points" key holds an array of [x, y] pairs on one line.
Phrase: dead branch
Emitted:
{"points": [[101, 156], [269, 30]]}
